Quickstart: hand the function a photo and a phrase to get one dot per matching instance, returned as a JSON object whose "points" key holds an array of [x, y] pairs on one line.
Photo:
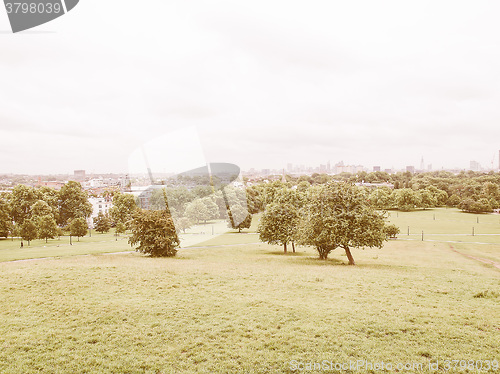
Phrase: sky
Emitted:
{"points": [[256, 83]]}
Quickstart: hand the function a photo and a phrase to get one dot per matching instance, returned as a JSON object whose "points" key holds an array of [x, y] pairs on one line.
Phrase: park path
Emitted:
{"points": [[483, 260]]}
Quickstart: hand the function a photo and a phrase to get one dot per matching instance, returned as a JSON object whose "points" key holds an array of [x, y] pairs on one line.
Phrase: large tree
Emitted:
{"points": [[339, 215], [73, 203], [155, 233]]}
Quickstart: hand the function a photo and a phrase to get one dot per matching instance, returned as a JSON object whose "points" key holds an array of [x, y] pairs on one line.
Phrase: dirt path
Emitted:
{"points": [[483, 260]]}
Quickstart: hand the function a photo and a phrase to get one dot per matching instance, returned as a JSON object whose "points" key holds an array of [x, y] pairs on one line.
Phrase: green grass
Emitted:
{"points": [[248, 308], [245, 309], [98, 243]]}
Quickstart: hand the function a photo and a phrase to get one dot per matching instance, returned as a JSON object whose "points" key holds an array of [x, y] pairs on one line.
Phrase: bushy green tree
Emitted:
{"points": [[47, 227], [278, 224], [339, 215], [123, 207], [239, 218], [29, 230], [102, 223], [73, 203], [5, 220], [155, 233], [407, 199], [78, 227], [391, 231]]}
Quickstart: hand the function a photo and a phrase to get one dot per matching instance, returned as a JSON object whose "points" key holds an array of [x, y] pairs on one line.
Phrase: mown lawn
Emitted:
{"points": [[247, 308]]}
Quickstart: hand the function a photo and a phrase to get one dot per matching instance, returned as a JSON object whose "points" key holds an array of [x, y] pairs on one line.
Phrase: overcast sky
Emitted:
{"points": [[263, 83]]}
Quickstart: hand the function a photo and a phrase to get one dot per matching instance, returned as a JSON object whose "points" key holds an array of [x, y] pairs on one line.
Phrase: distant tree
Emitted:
{"points": [[102, 223], [212, 208], [339, 215], [197, 211], [78, 227], [472, 206], [427, 200], [60, 232], [239, 218], [73, 203], [183, 223], [278, 224], [5, 220], [155, 233], [29, 230], [40, 208], [123, 207], [407, 199], [391, 231], [381, 198], [21, 200], [120, 228], [453, 200], [47, 227]]}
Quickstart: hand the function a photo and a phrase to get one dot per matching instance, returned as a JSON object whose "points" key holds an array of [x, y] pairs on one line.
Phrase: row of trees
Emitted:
{"points": [[329, 216], [44, 213]]}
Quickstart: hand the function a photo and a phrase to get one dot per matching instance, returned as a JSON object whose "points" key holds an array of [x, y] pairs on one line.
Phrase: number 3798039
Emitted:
{"points": [[33, 8]]}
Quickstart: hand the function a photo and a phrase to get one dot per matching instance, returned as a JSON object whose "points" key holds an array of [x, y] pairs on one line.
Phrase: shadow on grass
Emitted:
{"points": [[281, 253], [316, 261]]}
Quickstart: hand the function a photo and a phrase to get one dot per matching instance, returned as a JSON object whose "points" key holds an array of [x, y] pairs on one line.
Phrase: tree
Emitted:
{"points": [[47, 227], [5, 220], [78, 227], [123, 207], [381, 198], [212, 208], [120, 228], [453, 200], [427, 200], [21, 200], [183, 223], [102, 223], [339, 215], [29, 230], [73, 203], [278, 224], [239, 218], [155, 233], [391, 231], [197, 211], [40, 208], [407, 199]]}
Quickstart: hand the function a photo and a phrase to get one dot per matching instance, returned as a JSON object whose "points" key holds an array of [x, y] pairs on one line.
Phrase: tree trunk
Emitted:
{"points": [[349, 256], [293, 247], [239, 229], [284, 247]]}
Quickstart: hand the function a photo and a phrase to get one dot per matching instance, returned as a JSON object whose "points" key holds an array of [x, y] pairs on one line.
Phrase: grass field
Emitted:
{"points": [[229, 307]]}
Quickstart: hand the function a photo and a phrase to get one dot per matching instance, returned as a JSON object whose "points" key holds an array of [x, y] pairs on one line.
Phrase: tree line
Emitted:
{"points": [[45, 213]]}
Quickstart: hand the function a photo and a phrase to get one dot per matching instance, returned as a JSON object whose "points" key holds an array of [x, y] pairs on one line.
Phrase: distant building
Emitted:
{"points": [[410, 169], [79, 175], [376, 168], [99, 205], [474, 166]]}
